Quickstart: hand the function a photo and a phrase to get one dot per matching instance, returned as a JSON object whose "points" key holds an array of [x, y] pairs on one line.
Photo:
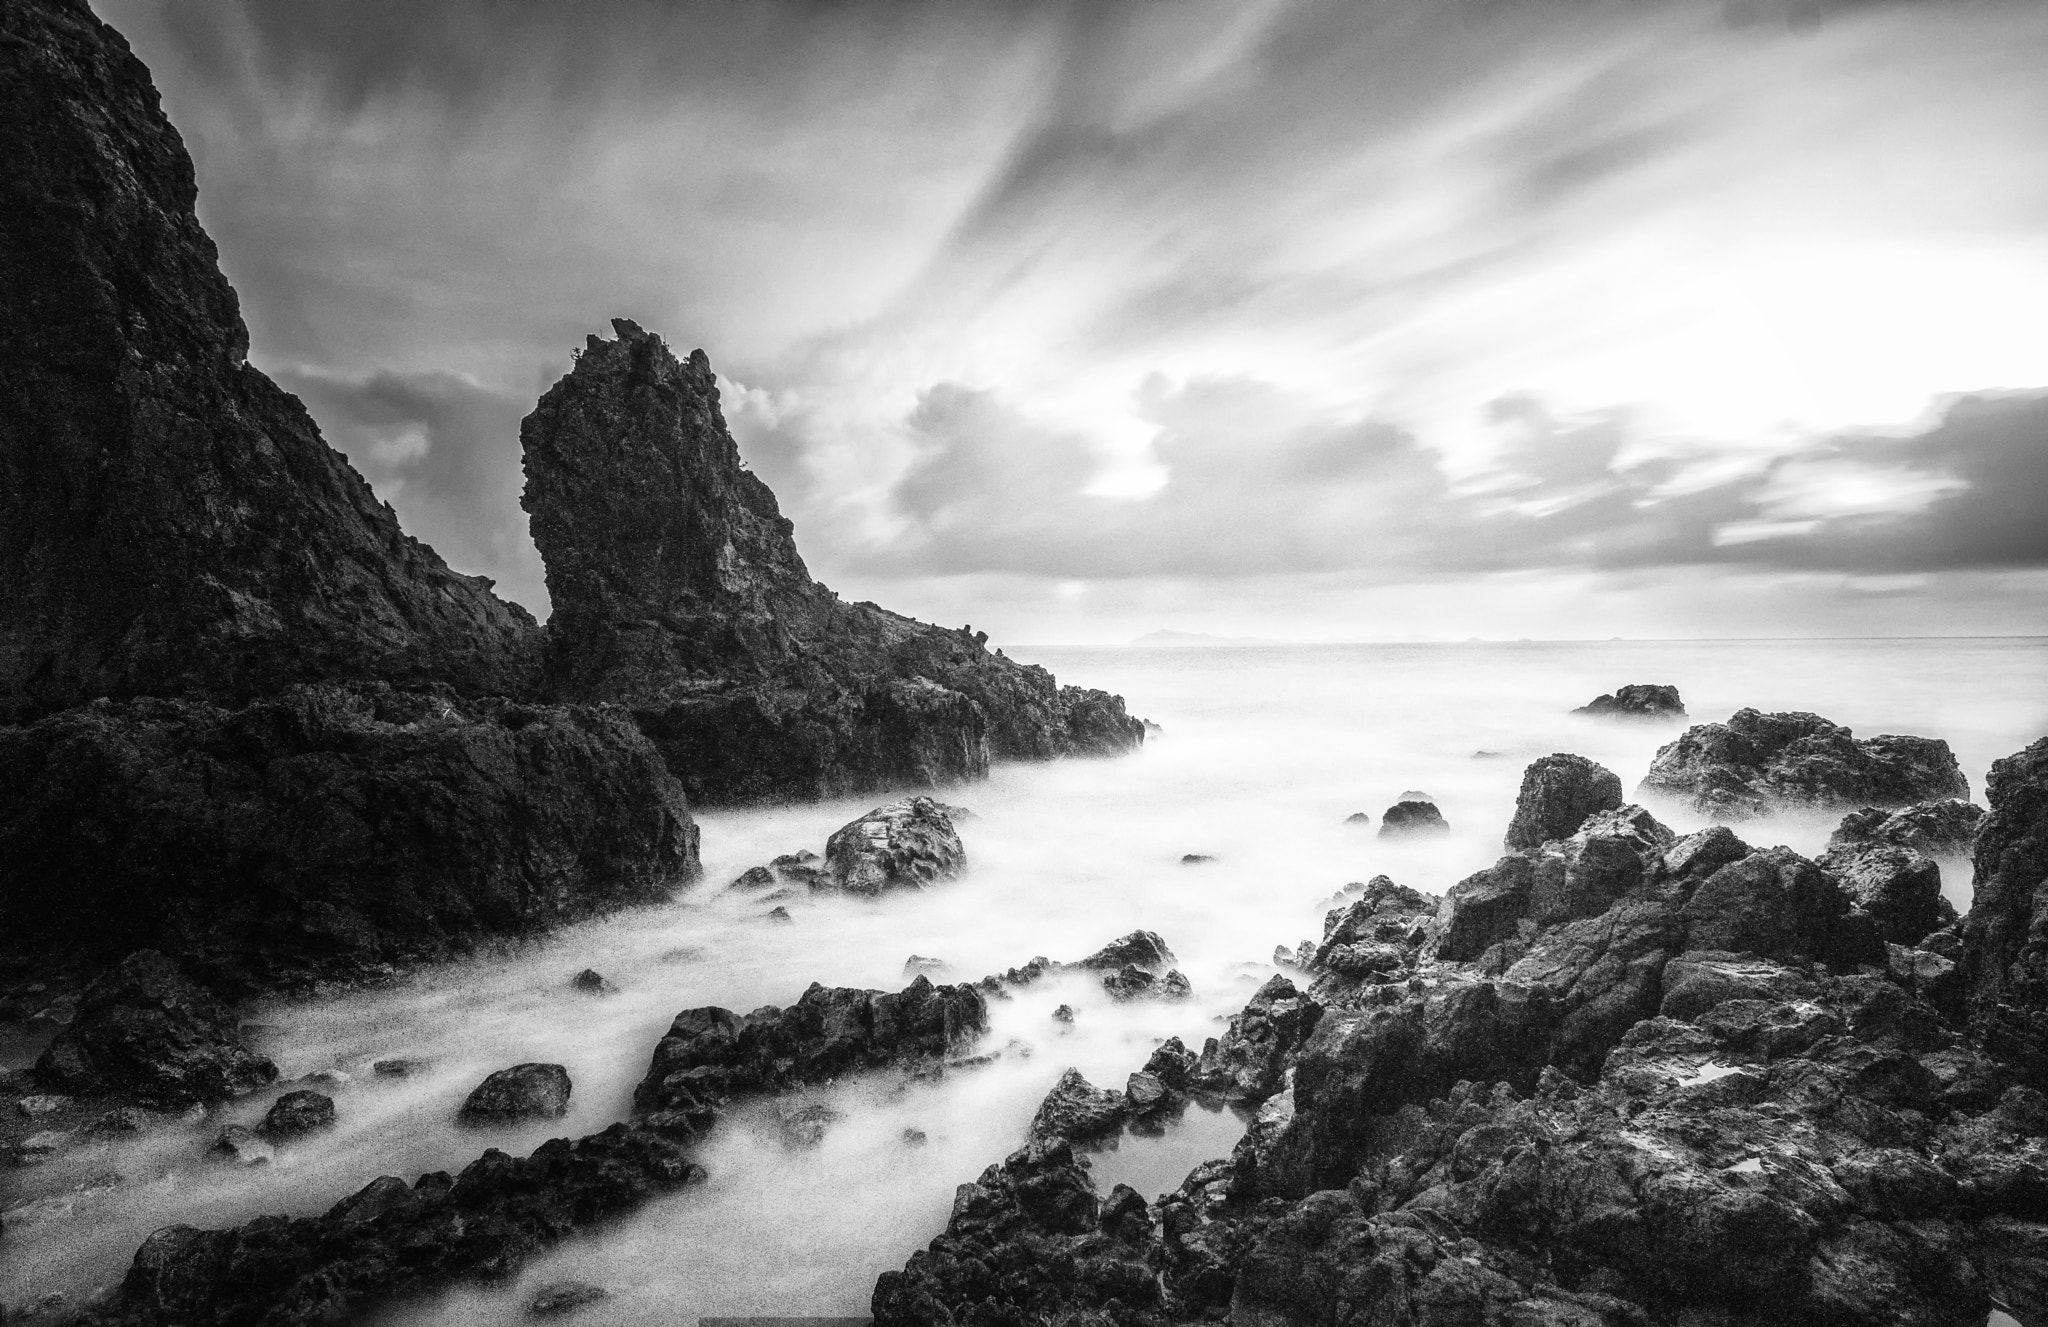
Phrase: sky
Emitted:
{"points": [[1296, 319]]}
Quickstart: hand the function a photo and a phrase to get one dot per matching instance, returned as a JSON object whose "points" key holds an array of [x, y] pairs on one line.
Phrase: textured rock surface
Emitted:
{"points": [[171, 522], [296, 1114], [1899, 887], [905, 845], [1412, 817], [1604, 1119], [1758, 763], [678, 590], [522, 1092], [711, 1053], [1637, 701], [2006, 932], [143, 1030], [1944, 829], [1558, 793], [325, 830], [391, 1238]]}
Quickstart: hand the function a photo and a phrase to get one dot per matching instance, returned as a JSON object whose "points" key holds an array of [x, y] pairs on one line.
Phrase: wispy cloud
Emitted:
{"points": [[1202, 291]]}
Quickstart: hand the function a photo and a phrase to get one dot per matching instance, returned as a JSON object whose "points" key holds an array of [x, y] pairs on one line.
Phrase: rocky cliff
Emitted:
{"points": [[678, 590], [171, 522]]}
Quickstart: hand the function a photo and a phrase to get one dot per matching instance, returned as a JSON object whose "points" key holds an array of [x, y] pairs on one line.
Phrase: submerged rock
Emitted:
{"points": [[239, 1145], [559, 1297], [1758, 763], [1412, 818], [905, 845], [1636, 701], [144, 1031], [592, 982], [296, 1114], [1558, 793], [522, 1092]]}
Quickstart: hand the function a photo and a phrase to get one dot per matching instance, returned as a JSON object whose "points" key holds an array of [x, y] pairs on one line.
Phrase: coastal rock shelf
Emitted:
{"points": [[1705, 1098]]}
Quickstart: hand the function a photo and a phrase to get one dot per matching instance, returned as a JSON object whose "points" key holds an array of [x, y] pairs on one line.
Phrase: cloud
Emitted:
{"points": [[444, 452], [1201, 293]]}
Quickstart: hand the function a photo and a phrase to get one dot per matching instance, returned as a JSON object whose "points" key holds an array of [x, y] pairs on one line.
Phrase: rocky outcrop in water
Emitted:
{"points": [[1943, 829], [522, 1092], [1704, 1093], [1558, 793], [1636, 701], [2006, 932], [1759, 763], [905, 845], [1412, 818], [678, 590], [710, 1053], [146, 1032], [392, 1238], [326, 830], [171, 522]]}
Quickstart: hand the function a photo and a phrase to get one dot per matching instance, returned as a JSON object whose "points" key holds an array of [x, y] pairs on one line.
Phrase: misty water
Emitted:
{"points": [[1265, 751]]}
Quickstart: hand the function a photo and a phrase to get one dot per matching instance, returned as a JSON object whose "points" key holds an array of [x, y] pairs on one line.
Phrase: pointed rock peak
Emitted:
{"points": [[664, 555]]}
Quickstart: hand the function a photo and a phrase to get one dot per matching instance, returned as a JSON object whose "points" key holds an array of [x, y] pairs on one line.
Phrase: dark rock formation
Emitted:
{"points": [[905, 845], [1942, 829], [1899, 887], [2006, 933], [677, 589], [393, 1239], [1758, 763], [170, 521], [144, 1031], [560, 1297], [1403, 819], [592, 982], [522, 1092], [1612, 1119], [325, 830], [1558, 793], [296, 1114], [1140, 948], [712, 1053], [1637, 701]]}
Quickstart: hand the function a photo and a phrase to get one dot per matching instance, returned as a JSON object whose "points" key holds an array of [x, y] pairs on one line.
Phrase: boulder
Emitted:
{"points": [[592, 982], [905, 845], [1142, 949], [1899, 887], [144, 1031], [1940, 829], [1639, 700], [522, 1092], [1483, 909], [1558, 793], [239, 1145], [1776, 903], [1077, 1111], [296, 1114], [1412, 819], [1758, 763], [1131, 982]]}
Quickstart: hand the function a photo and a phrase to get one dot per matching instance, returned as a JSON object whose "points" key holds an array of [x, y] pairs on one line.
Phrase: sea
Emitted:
{"points": [[1260, 756]]}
